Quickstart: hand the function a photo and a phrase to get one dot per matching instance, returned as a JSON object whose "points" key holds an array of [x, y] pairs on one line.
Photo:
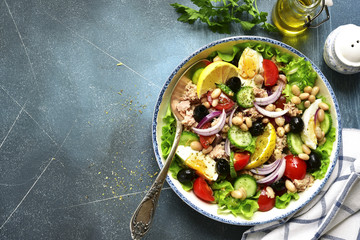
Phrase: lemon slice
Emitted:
{"points": [[265, 145], [216, 72]]}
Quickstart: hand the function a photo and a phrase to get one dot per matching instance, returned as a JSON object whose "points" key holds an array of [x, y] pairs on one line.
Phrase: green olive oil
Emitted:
{"points": [[289, 16]]}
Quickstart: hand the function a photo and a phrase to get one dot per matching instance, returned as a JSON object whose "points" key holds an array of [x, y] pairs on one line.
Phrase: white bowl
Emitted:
{"points": [[210, 210]]}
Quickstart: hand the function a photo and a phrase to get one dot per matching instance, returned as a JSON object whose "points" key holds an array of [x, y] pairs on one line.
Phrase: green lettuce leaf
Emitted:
{"points": [[168, 133], [283, 201], [287, 93], [221, 190], [325, 152], [266, 51], [228, 204], [228, 56], [300, 72], [283, 57], [251, 147], [167, 139]]}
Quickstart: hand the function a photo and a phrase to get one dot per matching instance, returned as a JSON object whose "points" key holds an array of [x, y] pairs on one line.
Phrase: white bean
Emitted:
{"points": [[216, 93], [323, 106], [248, 122], [295, 90], [306, 149], [308, 89], [290, 186], [303, 156], [315, 90], [196, 146], [295, 100]]}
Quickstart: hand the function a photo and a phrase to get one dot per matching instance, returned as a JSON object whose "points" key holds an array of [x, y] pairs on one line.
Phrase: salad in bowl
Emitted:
{"points": [[260, 132]]}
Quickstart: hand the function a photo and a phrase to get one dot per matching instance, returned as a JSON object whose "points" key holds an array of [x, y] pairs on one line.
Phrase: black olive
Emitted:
{"points": [[278, 185], [296, 124], [235, 61], [186, 175], [223, 167], [200, 112], [257, 129], [314, 162], [234, 84]]}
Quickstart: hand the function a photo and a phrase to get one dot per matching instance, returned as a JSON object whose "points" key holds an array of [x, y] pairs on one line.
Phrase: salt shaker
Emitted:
{"points": [[342, 49]]}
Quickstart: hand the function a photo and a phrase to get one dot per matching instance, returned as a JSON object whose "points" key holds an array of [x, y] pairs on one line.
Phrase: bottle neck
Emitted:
{"points": [[305, 6]]}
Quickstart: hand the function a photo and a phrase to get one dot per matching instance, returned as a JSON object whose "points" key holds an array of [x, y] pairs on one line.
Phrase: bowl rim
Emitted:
{"points": [[244, 222]]}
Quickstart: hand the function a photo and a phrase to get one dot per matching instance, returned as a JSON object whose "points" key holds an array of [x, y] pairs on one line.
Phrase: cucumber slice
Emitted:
{"points": [[233, 173], [326, 124], [187, 137], [239, 138], [294, 143], [226, 90], [248, 183], [245, 97], [195, 77]]}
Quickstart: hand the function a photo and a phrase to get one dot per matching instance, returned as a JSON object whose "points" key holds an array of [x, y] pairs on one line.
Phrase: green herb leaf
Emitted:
{"points": [[219, 15]]}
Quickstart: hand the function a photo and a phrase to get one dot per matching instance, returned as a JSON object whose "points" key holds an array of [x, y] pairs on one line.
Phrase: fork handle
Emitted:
{"points": [[142, 219]]}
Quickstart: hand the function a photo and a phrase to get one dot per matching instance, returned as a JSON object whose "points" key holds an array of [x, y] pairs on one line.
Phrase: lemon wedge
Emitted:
{"points": [[216, 72], [265, 145]]}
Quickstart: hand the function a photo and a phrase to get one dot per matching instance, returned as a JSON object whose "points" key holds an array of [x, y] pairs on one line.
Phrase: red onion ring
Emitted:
{"points": [[211, 116], [281, 170], [266, 169], [231, 116], [275, 175], [268, 113], [208, 118], [272, 98], [227, 147], [214, 129], [315, 116]]}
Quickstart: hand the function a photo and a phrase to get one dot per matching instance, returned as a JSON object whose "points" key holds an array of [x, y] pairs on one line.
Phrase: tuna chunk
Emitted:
{"points": [[183, 106], [302, 184], [260, 93], [189, 120], [190, 93], [293, 110], [218, 151], [252, 113]]}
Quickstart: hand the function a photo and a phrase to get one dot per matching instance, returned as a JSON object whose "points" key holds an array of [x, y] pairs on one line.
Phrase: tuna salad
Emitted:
{"points": [[257, 130]]}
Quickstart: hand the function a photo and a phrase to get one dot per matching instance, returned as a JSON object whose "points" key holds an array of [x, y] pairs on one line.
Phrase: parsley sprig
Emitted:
{"points": [[219, 14]]}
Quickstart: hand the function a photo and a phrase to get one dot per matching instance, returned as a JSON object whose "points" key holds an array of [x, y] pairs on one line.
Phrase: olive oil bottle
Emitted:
{"points": [[291, 16]]}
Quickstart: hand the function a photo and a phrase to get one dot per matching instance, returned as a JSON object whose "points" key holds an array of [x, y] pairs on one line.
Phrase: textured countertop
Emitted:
{"points": [[76, 155]]}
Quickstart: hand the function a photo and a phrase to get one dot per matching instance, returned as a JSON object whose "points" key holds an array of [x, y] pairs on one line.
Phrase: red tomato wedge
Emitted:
{"points": [[271, 72], [224, 101], [241, 159], [295, 168], [202, 190], [265, 202], [206, 141]]}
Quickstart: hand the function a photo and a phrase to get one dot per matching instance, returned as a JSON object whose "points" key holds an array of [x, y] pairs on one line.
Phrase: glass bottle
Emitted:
{"points": [[293, 17]]}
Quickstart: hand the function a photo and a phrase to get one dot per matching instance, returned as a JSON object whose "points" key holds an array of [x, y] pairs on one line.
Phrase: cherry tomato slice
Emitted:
{"points": [[265, 202], [241, 159], [202, 190], [206, 141], [295, 168], [224, 101], [271, 72]]}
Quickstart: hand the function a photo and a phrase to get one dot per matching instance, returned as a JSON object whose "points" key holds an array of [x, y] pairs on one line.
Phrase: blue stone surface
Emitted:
{"points": [[76, 155]]}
